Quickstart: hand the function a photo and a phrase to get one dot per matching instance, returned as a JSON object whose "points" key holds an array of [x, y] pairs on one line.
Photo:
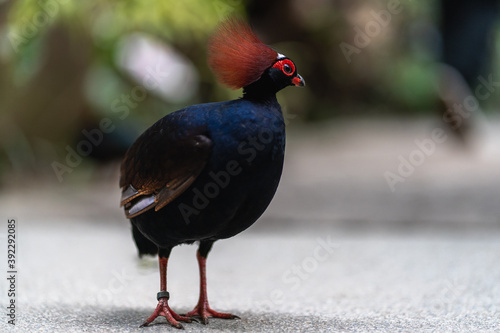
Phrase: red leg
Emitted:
{"points": [[162, 309], [202, 309]]}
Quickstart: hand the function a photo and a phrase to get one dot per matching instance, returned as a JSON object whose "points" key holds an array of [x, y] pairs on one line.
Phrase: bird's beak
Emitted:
{"points": [[298, 81]]}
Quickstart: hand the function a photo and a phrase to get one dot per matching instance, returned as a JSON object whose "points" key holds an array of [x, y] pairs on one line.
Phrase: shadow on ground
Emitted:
{"points": [[98, 319]]}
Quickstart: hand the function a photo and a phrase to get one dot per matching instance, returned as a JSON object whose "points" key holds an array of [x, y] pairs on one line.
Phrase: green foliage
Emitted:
{"points": [[171, 19], [412, 84], [62, 54]]}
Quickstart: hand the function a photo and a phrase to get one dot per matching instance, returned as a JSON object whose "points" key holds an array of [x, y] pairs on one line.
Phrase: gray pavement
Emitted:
{"points": [[337, 251]]}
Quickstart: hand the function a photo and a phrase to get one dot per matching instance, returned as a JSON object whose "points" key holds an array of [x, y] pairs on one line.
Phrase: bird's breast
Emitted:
{"points": [[253, 138]]}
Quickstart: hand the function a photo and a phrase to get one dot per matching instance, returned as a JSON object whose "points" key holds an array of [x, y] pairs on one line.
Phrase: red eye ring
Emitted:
{"points": [[286, 66]]}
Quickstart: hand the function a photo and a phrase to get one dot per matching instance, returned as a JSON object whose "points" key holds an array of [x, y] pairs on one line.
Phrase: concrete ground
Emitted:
{"points": [[337, 251]]}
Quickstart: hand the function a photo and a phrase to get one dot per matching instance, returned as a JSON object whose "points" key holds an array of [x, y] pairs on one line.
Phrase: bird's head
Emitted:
{"points": [[240, 60]]}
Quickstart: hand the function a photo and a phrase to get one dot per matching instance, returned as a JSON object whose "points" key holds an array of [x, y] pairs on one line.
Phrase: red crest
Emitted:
{"points": [[237, 56]]}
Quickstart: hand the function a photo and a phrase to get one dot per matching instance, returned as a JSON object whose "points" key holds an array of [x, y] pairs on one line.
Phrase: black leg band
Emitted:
{"points": [[163, 294]]}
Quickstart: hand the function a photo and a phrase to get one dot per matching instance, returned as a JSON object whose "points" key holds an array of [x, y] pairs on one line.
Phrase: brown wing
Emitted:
{"points": [[161, 165]]}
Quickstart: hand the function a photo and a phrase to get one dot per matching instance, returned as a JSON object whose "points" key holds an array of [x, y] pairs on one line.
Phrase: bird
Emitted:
{"points": [[208, 171]]}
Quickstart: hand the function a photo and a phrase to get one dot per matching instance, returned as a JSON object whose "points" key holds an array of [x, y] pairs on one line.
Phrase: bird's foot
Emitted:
{"points": [[162, 309], [203, 311]]}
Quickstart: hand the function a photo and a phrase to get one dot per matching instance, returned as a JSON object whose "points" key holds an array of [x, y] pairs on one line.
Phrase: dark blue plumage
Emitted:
{"points": [[209, 171], [238, 181]]}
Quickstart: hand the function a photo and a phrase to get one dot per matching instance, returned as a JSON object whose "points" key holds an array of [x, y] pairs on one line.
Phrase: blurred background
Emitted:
{"points": [[397, 130], [79, 81], [66, 65], [399, 116]]}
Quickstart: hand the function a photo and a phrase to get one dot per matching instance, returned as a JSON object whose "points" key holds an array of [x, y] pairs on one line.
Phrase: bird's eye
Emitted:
{"points": [[286, 66]]}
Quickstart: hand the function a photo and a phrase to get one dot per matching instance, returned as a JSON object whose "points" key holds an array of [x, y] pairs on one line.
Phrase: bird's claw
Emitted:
{"points": [[205, 312], [176, 325], [162, 309]]}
